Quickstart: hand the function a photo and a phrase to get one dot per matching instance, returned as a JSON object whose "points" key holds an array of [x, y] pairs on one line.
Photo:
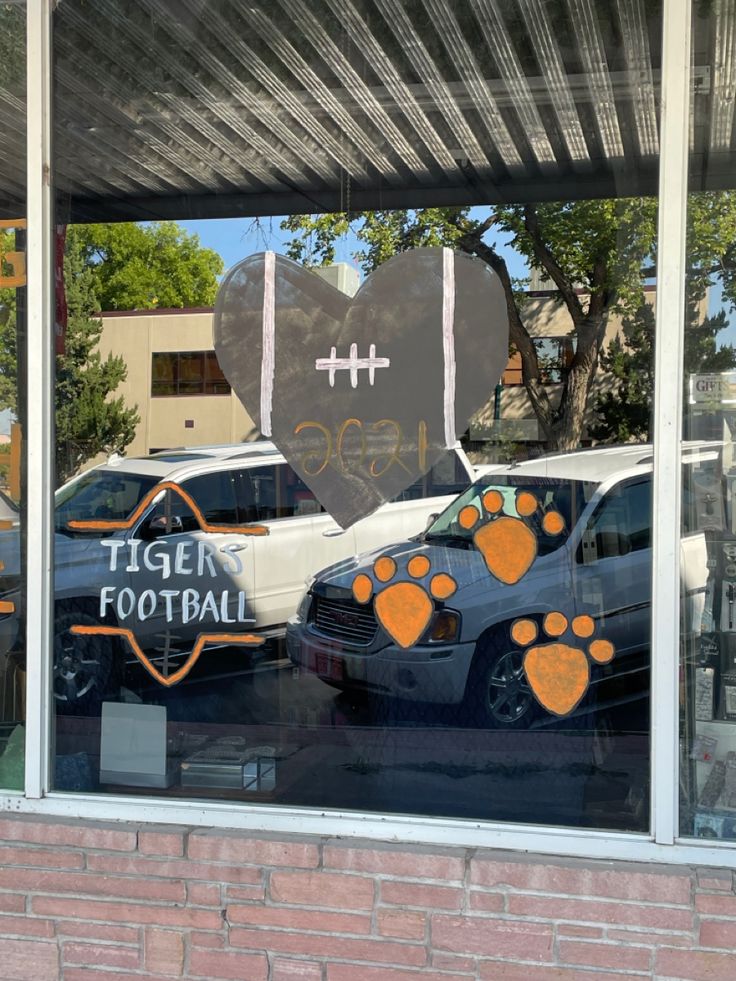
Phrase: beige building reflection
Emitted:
{"points": [[183, 399]]}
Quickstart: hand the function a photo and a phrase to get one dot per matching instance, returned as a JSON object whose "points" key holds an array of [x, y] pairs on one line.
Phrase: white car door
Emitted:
{"points": [[302, 539], [612, 573], [198, 566]]}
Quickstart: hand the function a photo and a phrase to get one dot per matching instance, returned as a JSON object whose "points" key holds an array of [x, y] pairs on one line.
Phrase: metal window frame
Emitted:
{"points": [[662, 844]]}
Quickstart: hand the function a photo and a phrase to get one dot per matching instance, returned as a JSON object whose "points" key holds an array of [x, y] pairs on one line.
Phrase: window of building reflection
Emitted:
{"points": [[13, 395], [475, 642], [708, 569]]}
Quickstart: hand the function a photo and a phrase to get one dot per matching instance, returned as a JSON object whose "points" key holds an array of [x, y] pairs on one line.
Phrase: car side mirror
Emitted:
{"points": [[160, 525], [431, 520]]}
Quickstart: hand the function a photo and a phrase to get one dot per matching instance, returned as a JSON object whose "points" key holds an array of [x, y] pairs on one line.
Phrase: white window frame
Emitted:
{"points": [[662, 845]]}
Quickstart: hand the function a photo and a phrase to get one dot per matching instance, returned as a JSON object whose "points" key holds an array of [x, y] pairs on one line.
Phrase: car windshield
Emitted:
{"points": [[567, 497], [100, 495]]}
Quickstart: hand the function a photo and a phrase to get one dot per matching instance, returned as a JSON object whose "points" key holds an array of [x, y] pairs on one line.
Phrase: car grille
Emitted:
{"points": [[344, 618]]}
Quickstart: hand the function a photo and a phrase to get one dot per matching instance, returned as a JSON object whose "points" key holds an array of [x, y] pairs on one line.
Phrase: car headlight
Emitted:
{"points": [[444, 628], [302, 611]]}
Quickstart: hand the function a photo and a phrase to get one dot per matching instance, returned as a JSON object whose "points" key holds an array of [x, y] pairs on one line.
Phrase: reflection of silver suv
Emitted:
{"points": [[599, 566], [169, 574]]}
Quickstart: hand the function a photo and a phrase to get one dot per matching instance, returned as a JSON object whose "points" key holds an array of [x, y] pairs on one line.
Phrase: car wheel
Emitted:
{"points": [[84, 666], [498, 694]]}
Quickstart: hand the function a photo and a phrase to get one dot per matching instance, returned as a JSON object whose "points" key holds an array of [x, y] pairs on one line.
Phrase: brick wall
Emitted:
{"points": [[90, 902]]}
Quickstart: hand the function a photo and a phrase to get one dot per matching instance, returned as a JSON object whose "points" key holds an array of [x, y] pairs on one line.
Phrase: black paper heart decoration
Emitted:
{"points": [[363, 395]]}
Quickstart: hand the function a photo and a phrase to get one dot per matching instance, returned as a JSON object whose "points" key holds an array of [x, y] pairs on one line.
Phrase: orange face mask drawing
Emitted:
{"points": [[204, 638], [507, 544], [403, 608], [558, 673]]}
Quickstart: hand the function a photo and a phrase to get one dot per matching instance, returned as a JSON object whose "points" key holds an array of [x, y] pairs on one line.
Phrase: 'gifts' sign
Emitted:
{"points": [[362, 395]]}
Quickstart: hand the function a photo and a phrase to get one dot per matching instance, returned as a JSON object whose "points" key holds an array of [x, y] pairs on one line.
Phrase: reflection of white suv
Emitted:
{"points": [[599, 567], [171, 575]]}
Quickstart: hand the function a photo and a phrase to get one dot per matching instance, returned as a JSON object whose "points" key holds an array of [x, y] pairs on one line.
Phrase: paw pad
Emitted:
{"points": [[508, 544], [559, 674], [403, 608]]}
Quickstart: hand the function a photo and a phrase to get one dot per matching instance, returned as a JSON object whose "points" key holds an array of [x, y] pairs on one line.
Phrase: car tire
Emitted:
{"points": [[497, 694], [84, 667]]}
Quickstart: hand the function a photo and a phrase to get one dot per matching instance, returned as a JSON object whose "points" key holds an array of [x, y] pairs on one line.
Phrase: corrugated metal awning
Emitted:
{"points": [[204, 108]]}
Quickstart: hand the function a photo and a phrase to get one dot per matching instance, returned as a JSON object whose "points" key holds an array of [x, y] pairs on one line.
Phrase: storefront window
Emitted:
{"points": [[366, 569], [12, 393], [708, 650]]}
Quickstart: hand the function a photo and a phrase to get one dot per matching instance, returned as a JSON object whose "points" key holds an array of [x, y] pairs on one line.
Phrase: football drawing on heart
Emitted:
{"points": [[362, 394]]}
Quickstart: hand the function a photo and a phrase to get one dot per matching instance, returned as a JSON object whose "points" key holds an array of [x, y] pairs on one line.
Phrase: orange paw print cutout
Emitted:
{"points": [[508, 545], [404, 609], [559, 674]]}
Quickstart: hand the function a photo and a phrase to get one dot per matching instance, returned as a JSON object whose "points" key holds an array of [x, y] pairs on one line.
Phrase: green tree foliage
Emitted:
{"points": [[141, 267], [89, 420], [107, 267], [597, 254]]}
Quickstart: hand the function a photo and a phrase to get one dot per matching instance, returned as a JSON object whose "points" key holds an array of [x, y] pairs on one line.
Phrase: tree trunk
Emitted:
{"points": [[567, 431]]}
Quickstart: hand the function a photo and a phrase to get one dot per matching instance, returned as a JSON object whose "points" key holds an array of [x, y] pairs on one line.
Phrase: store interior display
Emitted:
{"points": [[709, 718]]}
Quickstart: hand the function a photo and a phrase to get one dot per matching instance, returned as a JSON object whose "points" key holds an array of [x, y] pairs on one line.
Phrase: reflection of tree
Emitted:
{"points": [[596, 253], [110, 268], [625, 411], [12, 47]]}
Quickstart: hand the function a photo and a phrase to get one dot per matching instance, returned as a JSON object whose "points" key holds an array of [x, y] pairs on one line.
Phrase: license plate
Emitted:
{"points": [[328, 667]]}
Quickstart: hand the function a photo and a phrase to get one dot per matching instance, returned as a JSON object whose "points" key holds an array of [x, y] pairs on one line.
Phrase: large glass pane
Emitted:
{"points": [[355, 488], [13, 392], [708, 650]]}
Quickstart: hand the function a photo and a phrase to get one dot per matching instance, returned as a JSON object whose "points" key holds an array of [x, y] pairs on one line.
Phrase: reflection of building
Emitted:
{"points": [[173, 374], [174, 378], [508, 415], [183, 398]]}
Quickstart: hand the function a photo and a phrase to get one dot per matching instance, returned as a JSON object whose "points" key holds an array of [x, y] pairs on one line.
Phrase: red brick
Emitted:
{"points": [[163, 951], [416, 864], [12, 902], [171, 869], [346, 892], [89, 884], [416, 894], [693, 965], [27, 926], [204, 894], [29, 960], [97, 931], [170, 843], [491, 937], [650, 938], [215, 941], [350, 972], [234, 848], [718, 933], [581, 911], [490, 902], [498, 971], [42, 858], [97, 974], [715, 905], [87, 834], [299, 919], [607, 883], [326, 945], [613, 956], [101, 955], [107, 912], [233, 965], [718, 879], [288, 970], [247, 893], [405, 924], [453, 962], [573, 930]]}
